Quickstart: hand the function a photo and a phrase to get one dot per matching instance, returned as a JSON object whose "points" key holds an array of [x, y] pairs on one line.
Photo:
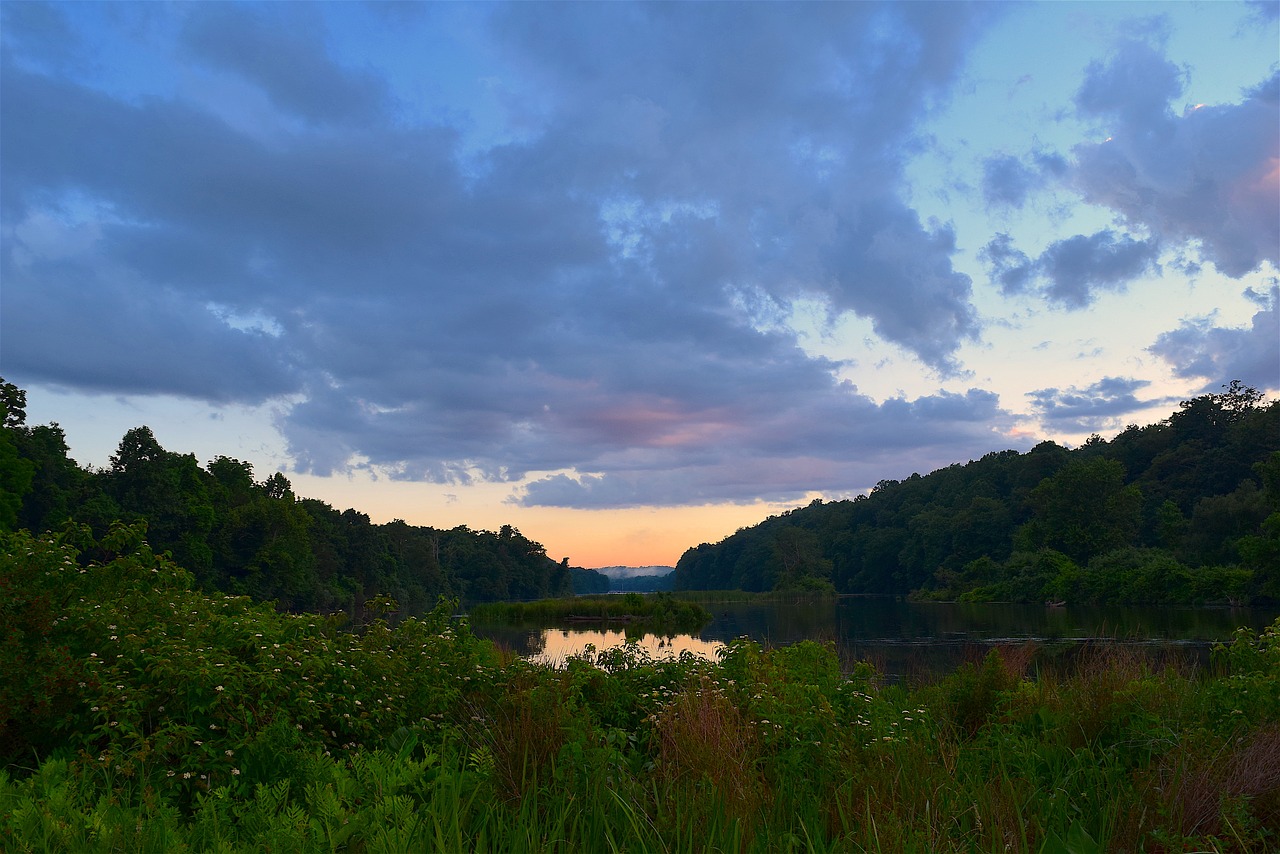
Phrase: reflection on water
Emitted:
{"points": [[910, 638], [559, 644]]}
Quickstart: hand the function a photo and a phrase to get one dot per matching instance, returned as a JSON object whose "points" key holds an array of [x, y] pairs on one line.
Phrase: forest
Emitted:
{"points": [[252, 537], [1186, 510]]}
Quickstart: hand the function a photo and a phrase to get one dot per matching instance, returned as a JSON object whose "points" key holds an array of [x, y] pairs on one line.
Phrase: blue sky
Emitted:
{"points": [[631, 276]]}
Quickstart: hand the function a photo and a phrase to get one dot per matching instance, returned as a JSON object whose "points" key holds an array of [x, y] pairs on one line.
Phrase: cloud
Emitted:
{"points": [[1008, 265], [562, 294], [797, 143], [1093, 408], [1199, 349], [1135, 87], [39, 34], [280, 48], [1073, 270], [1209, 176], [837, 443], [1077, 267], [113, 342], [1263, 11], [1007, 181]]}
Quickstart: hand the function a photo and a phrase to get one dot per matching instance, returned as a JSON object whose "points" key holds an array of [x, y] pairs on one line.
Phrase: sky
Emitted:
{"points": [[630, 276]]}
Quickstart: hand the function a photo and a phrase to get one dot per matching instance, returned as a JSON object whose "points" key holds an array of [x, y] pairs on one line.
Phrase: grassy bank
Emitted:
{"points": [[720, 597], [653, 610], [138, 714]]}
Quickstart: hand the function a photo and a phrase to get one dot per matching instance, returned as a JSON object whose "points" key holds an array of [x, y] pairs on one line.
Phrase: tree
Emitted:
{"points": [[278, 486], [170, 491], [15, 480], [60, 489], [1238, 400], [1083, 510], [234, 479], [800, 560], [1261, 552], [15, 472], [13, 404], [1206, 416]]}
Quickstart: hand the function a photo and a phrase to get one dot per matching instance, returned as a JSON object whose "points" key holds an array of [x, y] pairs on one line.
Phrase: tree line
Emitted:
{"points": [[1185, 510], [241, 535]]}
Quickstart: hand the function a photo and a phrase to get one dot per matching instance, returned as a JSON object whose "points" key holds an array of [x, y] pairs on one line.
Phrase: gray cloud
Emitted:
{"points": [[1094, 408], [1203, 181], [836, 444], [1009, 266], [1072, 271], [38, 33], [217, 362], [280, 48], [1135, 86], [1007, 181], [567, 297], [1077, 267], [1207, 175], [1200, 349]]}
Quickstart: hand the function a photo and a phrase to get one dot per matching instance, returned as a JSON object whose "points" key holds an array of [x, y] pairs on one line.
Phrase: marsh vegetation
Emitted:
{"points": [[142, 714]]}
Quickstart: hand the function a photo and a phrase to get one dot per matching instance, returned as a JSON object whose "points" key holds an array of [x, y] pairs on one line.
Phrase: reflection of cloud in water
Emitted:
{"points": [[559, 644]]}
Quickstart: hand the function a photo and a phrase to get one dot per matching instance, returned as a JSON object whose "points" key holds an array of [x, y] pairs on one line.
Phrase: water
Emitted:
{"points": [[905, 639]]}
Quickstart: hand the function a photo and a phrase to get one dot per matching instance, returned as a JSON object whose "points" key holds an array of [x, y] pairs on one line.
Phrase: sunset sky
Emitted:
{"points": [[629, 277]]}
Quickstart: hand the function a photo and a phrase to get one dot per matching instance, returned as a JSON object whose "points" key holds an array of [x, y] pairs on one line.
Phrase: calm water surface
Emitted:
{"points": [[905, 639]]}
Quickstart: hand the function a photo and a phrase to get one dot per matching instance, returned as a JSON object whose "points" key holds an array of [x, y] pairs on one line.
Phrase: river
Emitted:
{"points": [[914, 639]]}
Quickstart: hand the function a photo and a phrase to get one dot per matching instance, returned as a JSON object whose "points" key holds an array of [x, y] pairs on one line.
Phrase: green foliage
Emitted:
{"points": [[162, 718], [1189, 493], [974, 692], [1250, 693], [13, 405], [1026, 576], [15, 471], [246, 537], [40, 679], [588, 581], [15, 480], [1083, 510]]}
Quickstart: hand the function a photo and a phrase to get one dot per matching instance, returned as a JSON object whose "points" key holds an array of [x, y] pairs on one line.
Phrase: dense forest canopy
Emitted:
{"points": [[247, 536], [1185, 510]]}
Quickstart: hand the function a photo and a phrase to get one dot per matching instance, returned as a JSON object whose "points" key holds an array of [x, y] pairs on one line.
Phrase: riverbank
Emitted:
{"points": [[654, 611], [142, 715]]}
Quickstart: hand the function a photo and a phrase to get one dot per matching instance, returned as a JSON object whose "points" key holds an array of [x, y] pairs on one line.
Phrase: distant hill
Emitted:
{"points": [[645, 583], [623, 579], [1186, 510], [616, 572]]}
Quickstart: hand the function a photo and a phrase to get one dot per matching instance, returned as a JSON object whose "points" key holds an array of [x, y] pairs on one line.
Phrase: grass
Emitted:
{"points": [[709, 597]]}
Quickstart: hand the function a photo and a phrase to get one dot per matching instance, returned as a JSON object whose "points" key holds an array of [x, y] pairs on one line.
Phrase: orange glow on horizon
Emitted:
{"points": [[635, 536], [641, 536]]}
